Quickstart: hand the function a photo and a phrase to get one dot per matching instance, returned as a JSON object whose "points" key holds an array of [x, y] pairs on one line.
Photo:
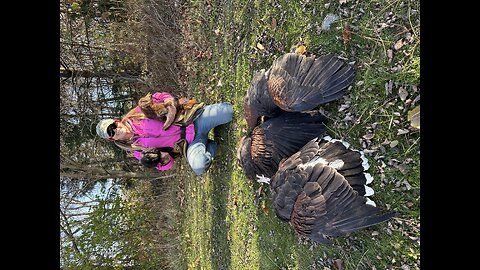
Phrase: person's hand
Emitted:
{"points": [[164, 158], [152, 157]]}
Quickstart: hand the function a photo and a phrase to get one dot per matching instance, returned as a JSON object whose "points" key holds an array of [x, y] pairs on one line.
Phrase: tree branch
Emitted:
{"points": [[70, 235]]}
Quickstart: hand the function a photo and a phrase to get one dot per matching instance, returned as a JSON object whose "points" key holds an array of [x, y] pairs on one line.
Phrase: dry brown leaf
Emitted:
{"points": [[399, 44], [346, 34], [300, 49], [338, 264], [274, 23]]}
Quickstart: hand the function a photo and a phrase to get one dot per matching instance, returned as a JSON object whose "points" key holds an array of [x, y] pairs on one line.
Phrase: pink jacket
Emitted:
{"points": [[150, 133]]}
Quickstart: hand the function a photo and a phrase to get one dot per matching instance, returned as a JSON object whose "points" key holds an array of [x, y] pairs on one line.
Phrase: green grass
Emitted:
{"points": [[227, 223]]}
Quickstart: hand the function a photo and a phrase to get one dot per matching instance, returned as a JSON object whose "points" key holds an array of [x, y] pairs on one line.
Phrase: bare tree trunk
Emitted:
{"points": [[80, 171], [68, 73]]}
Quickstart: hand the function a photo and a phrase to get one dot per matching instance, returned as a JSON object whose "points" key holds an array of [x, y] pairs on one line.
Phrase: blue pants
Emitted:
{"points": [[201, 150]]}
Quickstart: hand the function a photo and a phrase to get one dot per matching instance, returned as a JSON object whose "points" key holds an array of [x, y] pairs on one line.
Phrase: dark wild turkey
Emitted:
{"points": [[322, 191], [278, 108]]}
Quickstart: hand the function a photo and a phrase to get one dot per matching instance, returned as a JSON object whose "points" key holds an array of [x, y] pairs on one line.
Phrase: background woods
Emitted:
{"points": [[105, 67]]}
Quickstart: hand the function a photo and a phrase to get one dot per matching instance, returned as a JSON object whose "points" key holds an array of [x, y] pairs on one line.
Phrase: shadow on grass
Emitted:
{"points": [[220, 254]]}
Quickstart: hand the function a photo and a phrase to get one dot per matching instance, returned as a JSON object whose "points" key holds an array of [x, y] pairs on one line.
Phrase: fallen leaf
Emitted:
{"points": [[342, 1], [274, 23], [260, 46], [338, 264], [399, 44], [402, 131], [390, 55], [393, 144], [300, 49], [403, 93], [414, 117], [368, 136], [346, 34]]}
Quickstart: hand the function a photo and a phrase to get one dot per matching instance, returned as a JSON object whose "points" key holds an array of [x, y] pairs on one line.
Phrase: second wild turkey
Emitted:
{"points": [[322, 191]]}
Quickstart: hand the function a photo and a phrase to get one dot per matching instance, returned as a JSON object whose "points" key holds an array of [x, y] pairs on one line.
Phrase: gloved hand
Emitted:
{"points": [[152, 157]]}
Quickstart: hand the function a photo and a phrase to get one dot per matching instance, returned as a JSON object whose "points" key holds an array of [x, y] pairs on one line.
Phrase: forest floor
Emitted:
{"points": [[227, 221]]}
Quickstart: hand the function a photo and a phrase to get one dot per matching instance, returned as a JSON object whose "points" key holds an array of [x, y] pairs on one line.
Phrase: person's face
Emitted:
{"points": [[121, 132]]}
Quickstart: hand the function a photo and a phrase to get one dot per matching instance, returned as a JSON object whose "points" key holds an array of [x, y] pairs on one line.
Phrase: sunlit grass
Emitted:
{"points": [[228, 223]]}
